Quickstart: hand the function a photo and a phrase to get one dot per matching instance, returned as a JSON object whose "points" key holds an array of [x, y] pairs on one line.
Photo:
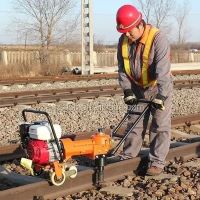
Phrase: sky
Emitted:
{"points": [[104, 12]]}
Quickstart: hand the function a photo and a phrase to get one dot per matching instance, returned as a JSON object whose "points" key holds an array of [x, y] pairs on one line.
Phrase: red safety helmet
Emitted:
{"points": [[127, 18]]}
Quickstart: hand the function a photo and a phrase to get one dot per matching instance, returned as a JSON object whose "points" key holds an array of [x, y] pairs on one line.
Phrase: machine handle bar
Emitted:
{"points": [[147, 107]]}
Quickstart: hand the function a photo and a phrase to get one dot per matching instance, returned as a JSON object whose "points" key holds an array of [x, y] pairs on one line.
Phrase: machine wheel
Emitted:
{"points": [[57, 181], [74, 170]]}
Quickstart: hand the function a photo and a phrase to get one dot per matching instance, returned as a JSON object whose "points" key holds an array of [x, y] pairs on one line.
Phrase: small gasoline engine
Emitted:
{"points": [[46, 150]]}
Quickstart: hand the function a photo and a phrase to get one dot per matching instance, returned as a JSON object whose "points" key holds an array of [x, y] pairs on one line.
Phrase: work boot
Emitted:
{"points": [[154, 171]]}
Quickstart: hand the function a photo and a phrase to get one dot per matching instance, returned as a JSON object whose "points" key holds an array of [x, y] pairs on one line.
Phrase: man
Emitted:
{"points": [[144, 72]]}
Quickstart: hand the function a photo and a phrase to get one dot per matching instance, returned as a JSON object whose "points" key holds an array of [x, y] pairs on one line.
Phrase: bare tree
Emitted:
{"points": [[45, 20], [181, 16], [162, 11], [146, 8], [157, 11]]}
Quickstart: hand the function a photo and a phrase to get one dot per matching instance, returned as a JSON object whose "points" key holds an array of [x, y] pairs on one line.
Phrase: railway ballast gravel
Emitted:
{"points": [[74, 84], [88, 115]]}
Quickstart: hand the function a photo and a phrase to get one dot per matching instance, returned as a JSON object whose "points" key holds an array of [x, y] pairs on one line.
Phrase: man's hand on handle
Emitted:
{"points": [[158, 102], [129, 97]]}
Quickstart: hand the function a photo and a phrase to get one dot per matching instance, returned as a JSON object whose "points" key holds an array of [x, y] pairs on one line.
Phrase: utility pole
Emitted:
{"points": [[87, 37]]}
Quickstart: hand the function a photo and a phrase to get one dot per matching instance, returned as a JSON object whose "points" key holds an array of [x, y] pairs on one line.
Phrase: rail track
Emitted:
{"points": [[113, 171], [42, 189], [53, 79], [72, 94]]}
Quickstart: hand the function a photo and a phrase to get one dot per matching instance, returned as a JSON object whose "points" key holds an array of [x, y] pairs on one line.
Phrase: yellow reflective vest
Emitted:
{"points": [[148, 36]]}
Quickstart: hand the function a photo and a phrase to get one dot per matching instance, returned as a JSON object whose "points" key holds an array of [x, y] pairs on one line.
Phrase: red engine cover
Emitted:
{"points": [[38, 151]]}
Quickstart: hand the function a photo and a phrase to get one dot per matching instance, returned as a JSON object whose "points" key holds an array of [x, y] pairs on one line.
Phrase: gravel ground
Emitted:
{"points": [[58, 85], [71, 84], [186, 77], [179, 182], [88, 115]]}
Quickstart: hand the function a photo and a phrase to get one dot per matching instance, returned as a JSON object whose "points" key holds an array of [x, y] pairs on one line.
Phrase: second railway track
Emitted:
{"points": [[72, 94], [53, 79]]}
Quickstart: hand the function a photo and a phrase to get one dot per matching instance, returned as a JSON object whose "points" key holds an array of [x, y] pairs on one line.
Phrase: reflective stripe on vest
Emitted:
{"points": [[125, 55], [144, 82]]}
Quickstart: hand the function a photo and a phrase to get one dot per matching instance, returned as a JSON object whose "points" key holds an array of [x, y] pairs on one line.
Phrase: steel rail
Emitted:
{"points": [[72, 94], [82, 89], [185, 72], [84, 180], [11, 152], [177, 84], [4, 102], [186, 81], [42, 190], [52, 79], [186, 120], [14, 151], [57, 91], [180, 84]]}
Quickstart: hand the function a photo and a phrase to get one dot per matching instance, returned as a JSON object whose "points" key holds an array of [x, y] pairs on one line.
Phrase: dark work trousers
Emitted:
{"points": [[160, 129]]}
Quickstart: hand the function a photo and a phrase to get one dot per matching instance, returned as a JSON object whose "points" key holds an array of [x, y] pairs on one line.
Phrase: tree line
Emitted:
{"points": [[50, 22]]}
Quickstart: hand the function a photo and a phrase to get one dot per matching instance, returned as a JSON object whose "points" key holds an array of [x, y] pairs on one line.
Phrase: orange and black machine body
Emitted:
{"points": [[46, 149], [98, 144]]}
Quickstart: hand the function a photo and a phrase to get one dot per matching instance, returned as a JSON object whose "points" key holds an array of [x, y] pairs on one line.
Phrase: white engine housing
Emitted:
{"points": [[43, 131]]}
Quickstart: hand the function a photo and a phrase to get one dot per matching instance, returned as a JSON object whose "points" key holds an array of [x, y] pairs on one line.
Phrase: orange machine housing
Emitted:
{"points": [[98, 144]]}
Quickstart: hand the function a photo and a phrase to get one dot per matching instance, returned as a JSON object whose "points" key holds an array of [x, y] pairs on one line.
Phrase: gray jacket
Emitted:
{"points": [[159, 64]]}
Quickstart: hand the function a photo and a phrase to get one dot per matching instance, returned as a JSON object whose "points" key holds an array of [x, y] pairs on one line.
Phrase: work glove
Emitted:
{"points": [[129, 97], [158, 102]]}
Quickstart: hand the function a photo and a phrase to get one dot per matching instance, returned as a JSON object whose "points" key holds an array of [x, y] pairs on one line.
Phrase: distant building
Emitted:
{"points": [[193, 50]]}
